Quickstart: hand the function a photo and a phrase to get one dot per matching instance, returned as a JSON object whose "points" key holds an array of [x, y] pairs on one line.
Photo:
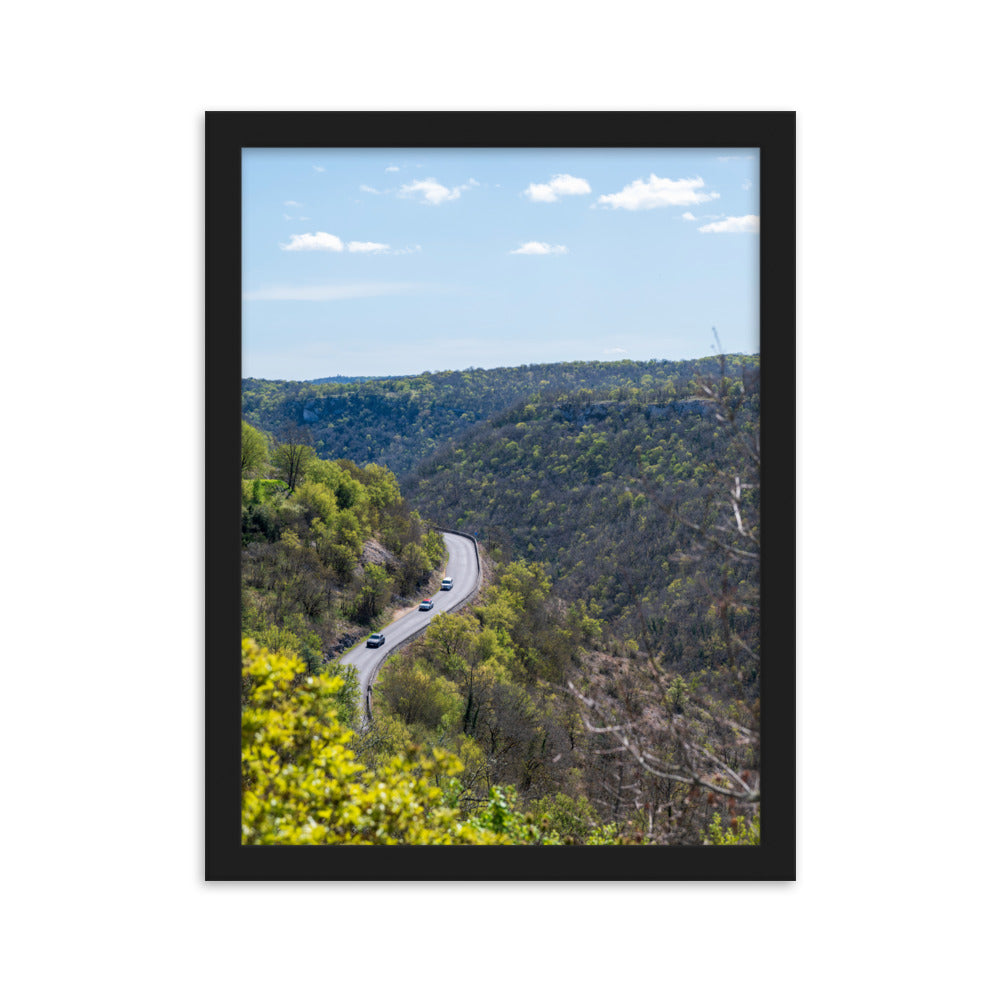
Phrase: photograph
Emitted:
{"points": [[501, 469], [530, 567]]}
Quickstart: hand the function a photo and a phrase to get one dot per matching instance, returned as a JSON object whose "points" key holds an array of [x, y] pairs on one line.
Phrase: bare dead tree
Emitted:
{"points": [[693, 751]]}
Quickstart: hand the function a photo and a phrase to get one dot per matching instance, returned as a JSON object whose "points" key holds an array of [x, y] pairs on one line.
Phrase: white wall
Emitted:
{"points": [[897, 349]]}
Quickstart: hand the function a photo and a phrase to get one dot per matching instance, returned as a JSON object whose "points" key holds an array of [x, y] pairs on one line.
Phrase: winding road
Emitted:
{"points": [[463, 568]]}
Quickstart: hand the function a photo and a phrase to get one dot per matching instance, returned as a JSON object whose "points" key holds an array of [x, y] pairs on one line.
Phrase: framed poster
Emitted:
{"points": [[500, 496]]}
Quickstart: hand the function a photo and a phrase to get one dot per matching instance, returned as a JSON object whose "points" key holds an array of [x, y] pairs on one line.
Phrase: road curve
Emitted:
{"points": [[463, 568]]}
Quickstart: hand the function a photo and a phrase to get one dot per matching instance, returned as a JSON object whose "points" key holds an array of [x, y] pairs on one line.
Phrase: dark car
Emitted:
{"points": [[375, 640], [426, 605], [447, 583]]}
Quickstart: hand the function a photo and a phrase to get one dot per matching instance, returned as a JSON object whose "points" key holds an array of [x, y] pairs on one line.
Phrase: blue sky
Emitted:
{"points": [[395, 261]]}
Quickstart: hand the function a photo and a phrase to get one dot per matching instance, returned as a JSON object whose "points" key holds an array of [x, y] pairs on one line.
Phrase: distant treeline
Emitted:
{"points": [[345, 379], [397, 422]]}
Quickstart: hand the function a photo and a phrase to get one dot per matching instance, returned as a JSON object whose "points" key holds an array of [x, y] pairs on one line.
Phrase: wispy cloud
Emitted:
{"points": [[433, 193], [313, 241], [534, 248], [747, 184], [614, 350], [356, 246], [392, 170], [327, 241], [658, 192], [560, 184], [329, 293], [687, 216], [319, 170], [371, 190], [733, 224], [293, 204]]}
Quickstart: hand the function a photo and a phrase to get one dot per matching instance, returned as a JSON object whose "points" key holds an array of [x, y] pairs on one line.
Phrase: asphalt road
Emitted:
{"points": [[461, 568]]}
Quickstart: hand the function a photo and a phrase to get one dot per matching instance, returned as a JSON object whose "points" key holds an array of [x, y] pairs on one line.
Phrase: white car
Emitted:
{"points": [[447, 583]]}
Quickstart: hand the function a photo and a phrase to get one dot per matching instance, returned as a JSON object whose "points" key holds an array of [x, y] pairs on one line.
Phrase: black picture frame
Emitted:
{"points": [[227, 134]]}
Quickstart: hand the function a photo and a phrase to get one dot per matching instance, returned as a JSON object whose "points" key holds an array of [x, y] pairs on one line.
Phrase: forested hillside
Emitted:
{"points": [[327, 548], [345, 378], [397, 421], [603, 688], [601, 491]]}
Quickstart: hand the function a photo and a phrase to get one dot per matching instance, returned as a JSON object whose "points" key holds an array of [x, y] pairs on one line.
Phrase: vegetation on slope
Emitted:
{"points": [[609, 679], [327, 548], [302, 784], [603, 492], [396, 422]]}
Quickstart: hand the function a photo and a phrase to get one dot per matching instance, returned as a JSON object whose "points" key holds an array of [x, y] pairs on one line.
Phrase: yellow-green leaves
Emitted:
{"points": [[738, 833], [253, 451], [302, 785]]}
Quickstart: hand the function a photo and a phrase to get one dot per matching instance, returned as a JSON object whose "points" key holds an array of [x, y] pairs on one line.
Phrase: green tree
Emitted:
{"points": [[376, 587], [383, 490], [317, 501], [302, 785], [501, 816], [293, 456], [416, 695], [414, 567], [253, 453], [291, 461]]}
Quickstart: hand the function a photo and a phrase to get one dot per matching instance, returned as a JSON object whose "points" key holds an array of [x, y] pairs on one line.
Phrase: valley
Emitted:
{"points": [[605, 680]]}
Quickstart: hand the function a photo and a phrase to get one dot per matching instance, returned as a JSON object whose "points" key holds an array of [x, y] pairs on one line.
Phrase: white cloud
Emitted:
{"points": [[559, 185], [615, 350], [747, 185], [534, 247], [689, 217], [313, 241], [319, 170], [432, 192], [329, 293], [293, 204], [658, 192], [357, 247], [733, 224], [327, 241], [392, 170], [370, 190]]}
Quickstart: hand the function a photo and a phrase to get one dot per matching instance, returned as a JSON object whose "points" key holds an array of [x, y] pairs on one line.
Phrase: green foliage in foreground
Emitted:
{"points": [[489, 686], [302, 785], [737, 834]]}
